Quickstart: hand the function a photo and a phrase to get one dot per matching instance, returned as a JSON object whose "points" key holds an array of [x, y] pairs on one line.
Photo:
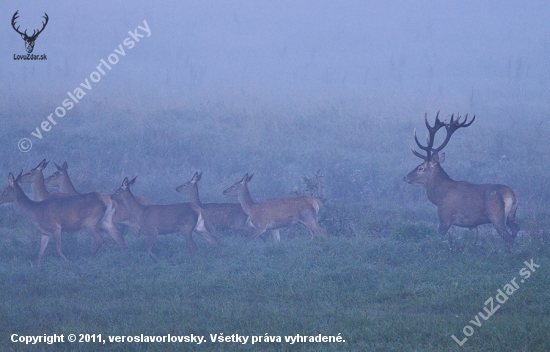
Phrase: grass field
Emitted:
{"points": [[385, 281], [399, 289]]}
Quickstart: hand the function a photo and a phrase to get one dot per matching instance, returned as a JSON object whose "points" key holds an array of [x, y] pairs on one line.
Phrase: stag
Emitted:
{"points": [[154, 220], [273, 214], [223, 216], [462, 203], [29, 40]]}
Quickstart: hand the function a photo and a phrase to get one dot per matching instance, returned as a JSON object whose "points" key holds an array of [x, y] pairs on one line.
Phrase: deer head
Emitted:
{"points": [[29, 40], [432, 160]]}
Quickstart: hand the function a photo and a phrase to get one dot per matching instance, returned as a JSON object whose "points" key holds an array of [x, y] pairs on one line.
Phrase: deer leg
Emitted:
{"points": [[511, 222], [314, 228], [514, 227], [210, 238], [497, 218], [45, 239], [311, 220], [188, 235], [151, 236], [257, 233], [57, 241], [276, 235], [114, 233], [444, 227], [98, 239]]}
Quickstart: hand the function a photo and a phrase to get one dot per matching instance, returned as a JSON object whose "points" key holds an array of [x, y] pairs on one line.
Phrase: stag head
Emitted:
{"points": [[422, 173], [29, 40]]}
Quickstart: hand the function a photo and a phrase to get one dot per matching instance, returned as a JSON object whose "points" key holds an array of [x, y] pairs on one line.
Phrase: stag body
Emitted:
{"points": [[274, 214], [70, 214], [222, 216], [462, 203], [154, 220]]}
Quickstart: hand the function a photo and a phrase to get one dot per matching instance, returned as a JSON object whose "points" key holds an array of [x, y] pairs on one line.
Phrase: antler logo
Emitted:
{"points": [[29, 40]]}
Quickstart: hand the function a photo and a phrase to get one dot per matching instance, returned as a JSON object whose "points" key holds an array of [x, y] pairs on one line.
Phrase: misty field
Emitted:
{"points": [[384, 281]]}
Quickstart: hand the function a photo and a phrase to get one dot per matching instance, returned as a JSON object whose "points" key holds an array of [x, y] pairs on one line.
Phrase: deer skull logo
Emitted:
{"points": [[29, 40]]}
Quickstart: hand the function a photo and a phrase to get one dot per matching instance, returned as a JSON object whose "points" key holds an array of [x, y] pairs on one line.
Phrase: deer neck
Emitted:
{"points": [[438, 185], [194, 196], [246, 200], [27, 206], [38, 188], [66, 185], [134, 208]]}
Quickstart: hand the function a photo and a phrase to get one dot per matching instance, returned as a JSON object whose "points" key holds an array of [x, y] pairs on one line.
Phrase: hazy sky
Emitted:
{"points": [[442, 50]]}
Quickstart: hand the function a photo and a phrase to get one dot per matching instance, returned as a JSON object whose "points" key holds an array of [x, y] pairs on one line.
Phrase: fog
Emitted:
{"points": [[316, 98], [358, 75], [437, 53]]}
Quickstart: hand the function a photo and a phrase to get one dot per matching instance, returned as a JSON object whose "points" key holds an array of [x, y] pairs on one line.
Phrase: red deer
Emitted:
{"points": [[276, 213], [154, 220], [60, 179], [462, 203], [36, 178], [69, 214], [223, 216]]}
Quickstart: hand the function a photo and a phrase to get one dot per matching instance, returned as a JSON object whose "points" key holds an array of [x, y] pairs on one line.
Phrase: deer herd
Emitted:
{"points": [[459, 203]]}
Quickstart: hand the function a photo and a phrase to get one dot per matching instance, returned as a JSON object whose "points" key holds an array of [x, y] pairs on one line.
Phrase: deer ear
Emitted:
{"points": [[196, 177], [442, 158], [42, 165], [131, 182], [11, 179]]}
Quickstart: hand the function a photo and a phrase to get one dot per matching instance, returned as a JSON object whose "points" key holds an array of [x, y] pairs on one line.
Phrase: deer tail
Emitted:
{"points": [[315, 203], [109, 206], [203, 221]]}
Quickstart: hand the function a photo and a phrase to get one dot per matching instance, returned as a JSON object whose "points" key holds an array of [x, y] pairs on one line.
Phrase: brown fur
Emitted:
{"points": [[276, 213], [53, 216], [154, 220]]}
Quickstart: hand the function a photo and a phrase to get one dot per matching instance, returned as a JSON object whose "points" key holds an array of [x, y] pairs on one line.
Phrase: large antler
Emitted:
{"points": [[34, 33], [451, 127], [13, 19]]}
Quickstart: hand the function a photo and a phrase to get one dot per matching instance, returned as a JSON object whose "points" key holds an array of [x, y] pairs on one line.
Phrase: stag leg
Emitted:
{"points": [[511, 222], [497, 218], [444, 227]]}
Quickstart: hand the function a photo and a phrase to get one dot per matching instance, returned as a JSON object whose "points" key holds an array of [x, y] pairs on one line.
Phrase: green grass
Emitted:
{"points": [[379, 293], [388, 281]]}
